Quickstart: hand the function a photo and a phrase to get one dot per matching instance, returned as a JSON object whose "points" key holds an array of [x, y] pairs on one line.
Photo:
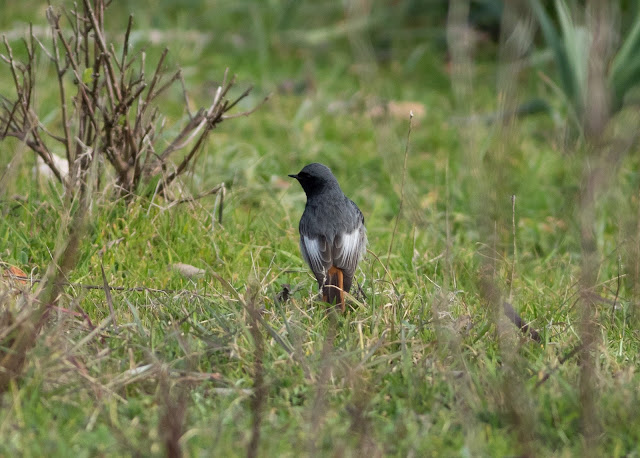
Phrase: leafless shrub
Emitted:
{"points": [[108, 105]]}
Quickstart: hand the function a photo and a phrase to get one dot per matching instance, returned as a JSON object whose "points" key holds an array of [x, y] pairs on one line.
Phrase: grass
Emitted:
{"points": [[419, 366]]}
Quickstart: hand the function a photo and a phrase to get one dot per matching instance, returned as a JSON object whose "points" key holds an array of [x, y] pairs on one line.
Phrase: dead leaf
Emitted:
{"points": [[13, 279]]}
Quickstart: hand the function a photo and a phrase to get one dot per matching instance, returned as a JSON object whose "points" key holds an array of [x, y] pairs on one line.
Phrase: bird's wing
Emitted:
{"points": [[317, 253], [348, 247]]}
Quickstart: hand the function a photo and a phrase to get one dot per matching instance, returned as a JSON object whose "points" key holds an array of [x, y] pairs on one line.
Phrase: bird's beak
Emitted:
{"points": [[294, 176]]}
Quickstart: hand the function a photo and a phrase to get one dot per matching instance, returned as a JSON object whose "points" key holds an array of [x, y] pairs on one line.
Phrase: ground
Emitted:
{"points": [[419, 364]]}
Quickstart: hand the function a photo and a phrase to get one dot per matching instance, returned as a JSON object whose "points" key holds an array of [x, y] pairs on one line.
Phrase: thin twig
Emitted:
{"points": [[99, 35], [60, 71], [111, 288], [561, 361], [154, 80], [125, 50], [240, 97], [511, 313], [185, 94], [404, 175], [386, 270], [214, 190], [248, 112]]}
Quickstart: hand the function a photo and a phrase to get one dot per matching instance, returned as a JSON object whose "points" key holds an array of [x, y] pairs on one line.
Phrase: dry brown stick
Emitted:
{"points": [[145, 142], [44, 151], [185, 95], [207, 121], [146, 163], [12, 64], [82, 87], [111, 288], [180, 139], [248, 112], [183, 164], [74, 23], [40, 149], [44, 129], [112, 54], [319, 406], [258, 398], [112, 89], [30, 67], [214, 190], [125, 104], [99, 34], [125, 50], [510, 312], [240, 97], [157, 74], [10, 119], [561, 361], [166, 85], [61, 90]]}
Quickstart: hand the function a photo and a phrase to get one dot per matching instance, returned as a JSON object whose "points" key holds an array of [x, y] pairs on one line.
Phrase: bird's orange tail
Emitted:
{"points": [[333, 290]]}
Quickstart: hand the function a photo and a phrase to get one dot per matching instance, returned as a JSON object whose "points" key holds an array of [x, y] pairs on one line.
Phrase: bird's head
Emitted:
{"points": [[316, 178]]}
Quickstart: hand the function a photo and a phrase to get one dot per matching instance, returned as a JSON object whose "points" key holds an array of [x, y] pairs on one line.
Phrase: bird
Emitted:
{"points": [[333, 238]]}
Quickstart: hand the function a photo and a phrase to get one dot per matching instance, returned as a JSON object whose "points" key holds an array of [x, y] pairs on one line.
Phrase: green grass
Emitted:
{"points": [[417, 366]]}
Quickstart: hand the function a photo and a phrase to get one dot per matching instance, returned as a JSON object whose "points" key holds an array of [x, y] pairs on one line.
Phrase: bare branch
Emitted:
{"points": [[242, 96], [125, 50], [55, 27], [156, 77], [97, 29], [248, 112], [185, 95], [214, 190], [82, 88]]}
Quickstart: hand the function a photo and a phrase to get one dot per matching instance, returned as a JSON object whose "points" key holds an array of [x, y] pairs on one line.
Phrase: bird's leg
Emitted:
{"points": [[333, 292]]}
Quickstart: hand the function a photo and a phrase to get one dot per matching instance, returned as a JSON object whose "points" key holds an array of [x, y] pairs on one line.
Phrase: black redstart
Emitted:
{"points": [[332, 233]]}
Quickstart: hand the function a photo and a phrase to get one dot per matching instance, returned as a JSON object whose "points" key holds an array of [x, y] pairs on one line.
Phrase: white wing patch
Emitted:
{"points": [[350, 248], [314, 253]]}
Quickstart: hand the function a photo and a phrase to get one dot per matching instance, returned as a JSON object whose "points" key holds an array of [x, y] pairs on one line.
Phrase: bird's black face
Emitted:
{"points": [[314, 178]]}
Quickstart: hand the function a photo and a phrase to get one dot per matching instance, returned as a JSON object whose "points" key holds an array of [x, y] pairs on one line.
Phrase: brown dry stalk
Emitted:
{"points": [[174, 412], [319, 407], [258, 398], [404, 177]]}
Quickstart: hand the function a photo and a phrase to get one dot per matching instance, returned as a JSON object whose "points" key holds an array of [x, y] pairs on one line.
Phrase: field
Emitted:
{"points": [[194, 328]]}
